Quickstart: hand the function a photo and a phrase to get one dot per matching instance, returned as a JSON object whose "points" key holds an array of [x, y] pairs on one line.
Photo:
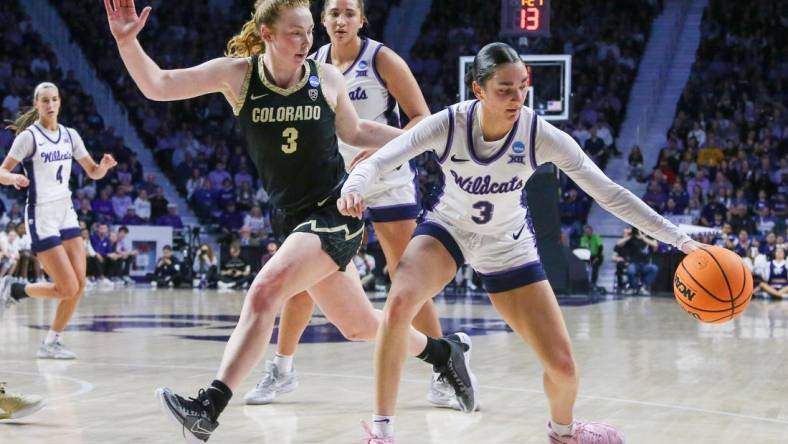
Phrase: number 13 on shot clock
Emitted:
{"points": [[529, 18]]}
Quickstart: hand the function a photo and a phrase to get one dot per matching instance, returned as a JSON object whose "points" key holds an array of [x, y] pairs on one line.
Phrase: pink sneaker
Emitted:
{"points": [[587, 433], [372, 439]]}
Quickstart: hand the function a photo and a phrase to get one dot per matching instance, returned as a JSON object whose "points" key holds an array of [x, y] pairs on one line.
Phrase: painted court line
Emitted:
{"points": [[408, 380], [84, 386]]}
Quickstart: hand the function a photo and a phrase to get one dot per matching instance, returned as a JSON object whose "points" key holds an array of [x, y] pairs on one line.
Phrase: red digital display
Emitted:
{"points": [[525, 17]]}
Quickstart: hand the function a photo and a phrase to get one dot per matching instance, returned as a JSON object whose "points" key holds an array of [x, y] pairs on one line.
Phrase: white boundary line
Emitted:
{"points": [[87, 387], [84, 386]]}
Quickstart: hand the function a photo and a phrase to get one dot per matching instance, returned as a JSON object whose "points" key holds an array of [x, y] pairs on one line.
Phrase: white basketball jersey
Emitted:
{"points": [[485, 195], [48, 164], [372, 101]]}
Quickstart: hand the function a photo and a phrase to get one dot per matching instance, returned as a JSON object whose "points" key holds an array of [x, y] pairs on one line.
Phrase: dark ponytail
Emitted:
{"points": [[487, 59]]}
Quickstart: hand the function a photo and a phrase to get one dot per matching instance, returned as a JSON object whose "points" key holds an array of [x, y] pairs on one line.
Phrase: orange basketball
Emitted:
{"points": [[713, 285]]}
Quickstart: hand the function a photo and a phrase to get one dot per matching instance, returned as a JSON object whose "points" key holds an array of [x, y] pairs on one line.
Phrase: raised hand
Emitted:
{"points": [[108, 162], [124, 23]]}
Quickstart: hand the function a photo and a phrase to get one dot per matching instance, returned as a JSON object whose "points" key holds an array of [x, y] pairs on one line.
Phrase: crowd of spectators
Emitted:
{"points": [[725, 161]]}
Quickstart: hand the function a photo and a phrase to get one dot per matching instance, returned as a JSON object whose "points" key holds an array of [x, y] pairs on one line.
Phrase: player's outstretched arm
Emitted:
{"points": [[558, 147], [223, 74]]}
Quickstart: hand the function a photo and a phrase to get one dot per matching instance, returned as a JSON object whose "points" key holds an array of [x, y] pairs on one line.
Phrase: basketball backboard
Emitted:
{"points": [[551, 83]]}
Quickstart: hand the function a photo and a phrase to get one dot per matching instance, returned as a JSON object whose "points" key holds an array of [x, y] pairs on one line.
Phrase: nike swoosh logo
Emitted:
{"points": [[385, 421], [517, 236], [197, 428], [455, 159], [42, 143], [254, 97], [320, 204]]}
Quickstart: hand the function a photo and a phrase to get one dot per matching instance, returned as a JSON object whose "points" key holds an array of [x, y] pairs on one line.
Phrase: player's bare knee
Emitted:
{"points": [[69, 289], [358, 331], [562, 368], [400, 308], [265, 294]]}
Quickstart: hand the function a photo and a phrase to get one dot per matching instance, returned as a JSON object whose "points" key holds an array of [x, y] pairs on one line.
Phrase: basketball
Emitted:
{"points": [[713, 285]]}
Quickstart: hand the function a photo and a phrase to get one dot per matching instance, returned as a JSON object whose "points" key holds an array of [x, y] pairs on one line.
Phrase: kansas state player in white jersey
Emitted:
{"points": [[378, 82], [488, 148], [46, 149]]}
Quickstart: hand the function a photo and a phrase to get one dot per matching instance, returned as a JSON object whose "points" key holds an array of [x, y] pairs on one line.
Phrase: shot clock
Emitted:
{"points": [[529, 18]]}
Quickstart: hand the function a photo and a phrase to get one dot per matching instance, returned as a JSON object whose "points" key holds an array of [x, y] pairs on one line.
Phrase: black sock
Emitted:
{"points": [[436, 352], [18, 291], [220, 395]]}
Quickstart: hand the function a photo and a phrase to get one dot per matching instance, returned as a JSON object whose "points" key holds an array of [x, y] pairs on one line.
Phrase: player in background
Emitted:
{"points": [[46, 149], [379, 83], [487, 149]]}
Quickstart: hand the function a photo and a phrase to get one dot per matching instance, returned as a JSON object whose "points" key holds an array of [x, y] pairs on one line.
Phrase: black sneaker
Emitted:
{"points": [[193, 415], [457, 371]]}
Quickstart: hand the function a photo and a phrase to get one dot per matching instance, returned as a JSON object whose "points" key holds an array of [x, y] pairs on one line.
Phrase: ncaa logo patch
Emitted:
{"points": [[314, 81], [518, 148]]}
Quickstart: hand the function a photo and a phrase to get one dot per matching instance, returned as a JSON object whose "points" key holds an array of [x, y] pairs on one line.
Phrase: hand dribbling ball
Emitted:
{"points": [[713, 285]]}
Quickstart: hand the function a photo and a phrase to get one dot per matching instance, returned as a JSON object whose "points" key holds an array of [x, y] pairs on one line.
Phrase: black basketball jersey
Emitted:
{"points": [[291, 137]]}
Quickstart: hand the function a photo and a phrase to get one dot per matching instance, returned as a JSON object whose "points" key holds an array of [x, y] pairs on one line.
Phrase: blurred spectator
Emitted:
{"points": [[235, 273], [204, 268], [246, 239], [258, 223], [635, 164], [142, 205], [775, 278], [168, 269], [123, 256], [170, 219], [94, 268], [365, 264], [26, 260], [102, 244], [271, 248], [593, 243], [131, 218], [634, 249]]}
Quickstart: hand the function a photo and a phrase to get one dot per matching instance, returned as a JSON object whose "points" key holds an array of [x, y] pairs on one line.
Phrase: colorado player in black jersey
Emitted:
{"points": [[290, 111]]}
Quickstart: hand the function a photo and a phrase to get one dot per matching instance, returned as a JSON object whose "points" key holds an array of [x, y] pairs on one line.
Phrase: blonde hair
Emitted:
{"points": [[248, 42], [30, 115]]}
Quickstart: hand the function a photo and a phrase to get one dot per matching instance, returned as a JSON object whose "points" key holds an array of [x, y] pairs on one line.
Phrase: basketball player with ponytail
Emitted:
{"points": [[45, 148], [487, 149], [290, 110], [379, 83]]}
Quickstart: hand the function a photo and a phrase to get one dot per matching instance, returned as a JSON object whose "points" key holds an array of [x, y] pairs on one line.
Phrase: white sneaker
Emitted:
{"points": [[6, 300], [106, 283], [273, 383], [55, 350], [226, 285], [441, 394], [129, 281], [154, 284]]}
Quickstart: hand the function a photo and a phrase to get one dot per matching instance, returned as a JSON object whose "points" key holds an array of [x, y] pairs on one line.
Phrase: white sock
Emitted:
{"points": [[561, 429], [284, 363], [53, 337], [382, 426]]}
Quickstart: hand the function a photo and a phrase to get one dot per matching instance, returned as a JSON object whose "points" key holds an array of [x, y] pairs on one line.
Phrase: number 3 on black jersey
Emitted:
{"points": [[291, 134]]}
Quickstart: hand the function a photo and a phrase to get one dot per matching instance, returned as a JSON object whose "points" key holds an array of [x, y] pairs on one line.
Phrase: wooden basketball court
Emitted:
{"points": [[645, 366]]}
